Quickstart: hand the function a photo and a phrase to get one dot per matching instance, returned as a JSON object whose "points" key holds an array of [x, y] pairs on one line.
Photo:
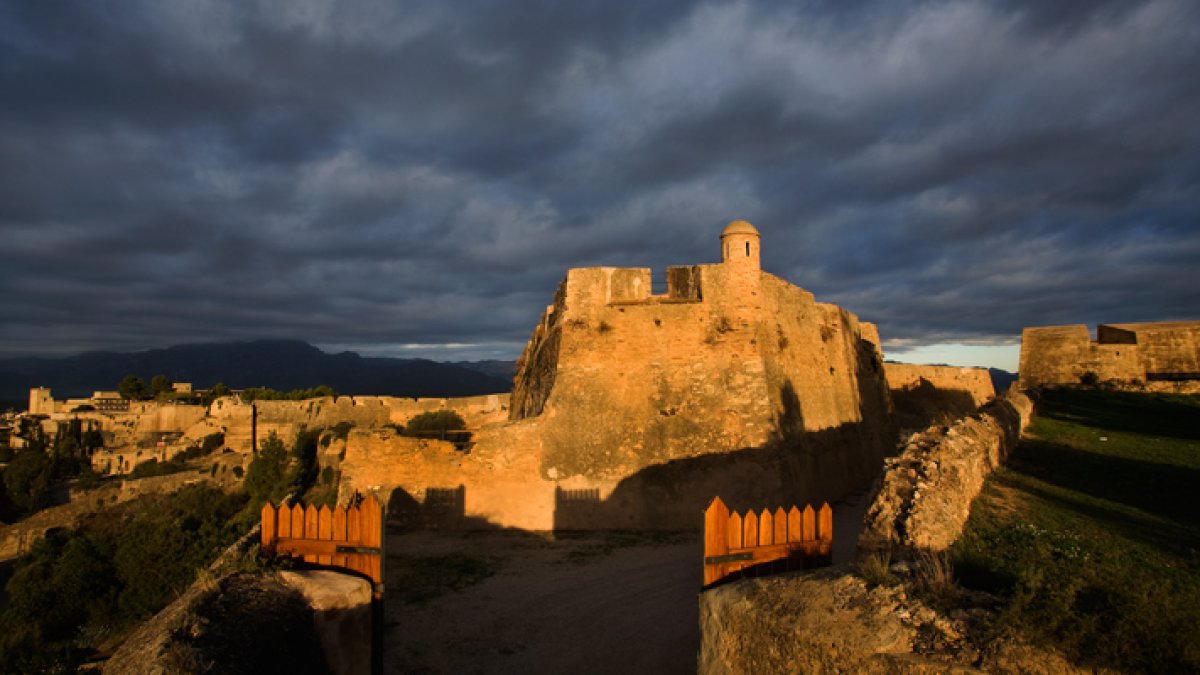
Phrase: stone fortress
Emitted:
{"points": [[1163, 356], [630, 409]]}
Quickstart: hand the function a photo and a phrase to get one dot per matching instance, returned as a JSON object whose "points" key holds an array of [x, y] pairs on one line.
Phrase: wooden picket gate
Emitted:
{"points": [[733, 542], [347, 537]]}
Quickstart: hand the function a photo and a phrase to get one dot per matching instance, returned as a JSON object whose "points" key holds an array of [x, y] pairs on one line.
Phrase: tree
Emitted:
{"points": [[218, 390], [27, 479], [160, 386], [266, 477], [132, 388]]}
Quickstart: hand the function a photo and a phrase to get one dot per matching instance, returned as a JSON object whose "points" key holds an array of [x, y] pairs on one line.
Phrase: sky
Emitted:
{"points": [[414, 179]]}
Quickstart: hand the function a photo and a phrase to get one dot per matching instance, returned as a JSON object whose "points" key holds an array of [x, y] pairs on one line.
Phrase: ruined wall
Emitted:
{"points": [[925, 395], [974, 382], [1125, 353], [498, 479], [925, 493], [242, 423], [1055, 355]]}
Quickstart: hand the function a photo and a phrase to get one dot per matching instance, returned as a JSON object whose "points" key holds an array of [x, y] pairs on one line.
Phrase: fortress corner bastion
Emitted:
{"points": [[631, 408]]}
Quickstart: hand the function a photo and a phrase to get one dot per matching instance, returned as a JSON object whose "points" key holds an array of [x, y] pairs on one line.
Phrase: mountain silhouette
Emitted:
{"points": [[278, 364]]}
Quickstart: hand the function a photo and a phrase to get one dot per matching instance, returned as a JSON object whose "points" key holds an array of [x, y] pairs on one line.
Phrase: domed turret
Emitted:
{"points": [[740, 245]]}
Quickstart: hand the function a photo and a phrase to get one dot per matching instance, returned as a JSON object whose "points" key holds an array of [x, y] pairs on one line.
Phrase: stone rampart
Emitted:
{"points": [[1122, 354], [925, 493]]}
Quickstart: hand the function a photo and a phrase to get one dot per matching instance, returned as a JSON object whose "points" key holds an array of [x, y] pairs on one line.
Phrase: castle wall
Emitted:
{"points": [[1165, 349], [242, 423], [1061, 355], [632, 409], [974, 382]]}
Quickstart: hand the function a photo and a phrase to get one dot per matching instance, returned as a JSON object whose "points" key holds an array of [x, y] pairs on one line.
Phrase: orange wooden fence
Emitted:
{"points": [[347, 537], [733, 542]]}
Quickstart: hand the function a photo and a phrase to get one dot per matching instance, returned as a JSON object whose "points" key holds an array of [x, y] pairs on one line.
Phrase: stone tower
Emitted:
{"points": [[740, 246]]}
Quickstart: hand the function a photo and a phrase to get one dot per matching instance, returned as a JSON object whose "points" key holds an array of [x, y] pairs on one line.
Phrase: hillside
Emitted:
{"points": [[279, 364], [1089, 536]]}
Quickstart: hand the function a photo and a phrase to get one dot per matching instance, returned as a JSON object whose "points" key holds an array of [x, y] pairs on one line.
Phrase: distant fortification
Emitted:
{"points": [[1141, 353], [631, 407]]}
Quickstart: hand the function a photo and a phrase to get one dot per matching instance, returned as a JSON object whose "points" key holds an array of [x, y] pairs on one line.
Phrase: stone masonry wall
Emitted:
{"points": [[1127, 353], [974, 382], [925, 493]]}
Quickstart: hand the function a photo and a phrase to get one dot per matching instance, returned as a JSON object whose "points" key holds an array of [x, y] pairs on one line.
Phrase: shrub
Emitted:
{"points": [[152, 467], [27, 479], [212, 443], [434, 422], [88, 479]]}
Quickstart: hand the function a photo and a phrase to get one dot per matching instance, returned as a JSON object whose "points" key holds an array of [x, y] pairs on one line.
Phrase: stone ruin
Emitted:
{"points": [[1163, 355]]}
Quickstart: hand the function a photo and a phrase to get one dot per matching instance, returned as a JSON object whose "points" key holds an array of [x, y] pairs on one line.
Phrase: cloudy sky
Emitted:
{"points": [[414, 179]]}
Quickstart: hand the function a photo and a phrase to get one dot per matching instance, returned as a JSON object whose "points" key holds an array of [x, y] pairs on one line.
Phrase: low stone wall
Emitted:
{"points": [[925, 493]]}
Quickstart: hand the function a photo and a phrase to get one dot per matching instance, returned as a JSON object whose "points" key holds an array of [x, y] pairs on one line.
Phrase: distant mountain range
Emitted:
{"points": [[278, 364], [1001, 379]]}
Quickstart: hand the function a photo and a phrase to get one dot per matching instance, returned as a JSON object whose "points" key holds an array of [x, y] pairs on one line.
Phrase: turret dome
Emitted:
{"points": [[739, 227]]}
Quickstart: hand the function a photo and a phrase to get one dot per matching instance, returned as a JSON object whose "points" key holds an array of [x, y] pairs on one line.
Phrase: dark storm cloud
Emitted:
{"points": [[370, 175]]}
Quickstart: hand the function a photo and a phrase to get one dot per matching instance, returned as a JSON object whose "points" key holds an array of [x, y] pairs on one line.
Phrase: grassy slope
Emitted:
{"points": [[1091, 534]]}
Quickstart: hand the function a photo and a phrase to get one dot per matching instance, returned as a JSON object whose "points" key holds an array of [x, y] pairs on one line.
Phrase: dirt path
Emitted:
{"points": [[598, 603], [592, 603]]}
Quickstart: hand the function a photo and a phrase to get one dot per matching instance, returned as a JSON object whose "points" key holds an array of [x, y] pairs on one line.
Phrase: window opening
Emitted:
{"points": [[747, 249]]}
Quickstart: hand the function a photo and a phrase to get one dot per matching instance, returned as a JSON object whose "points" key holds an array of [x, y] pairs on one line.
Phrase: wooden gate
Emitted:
{"points": [[350, 538], [733, 542]]}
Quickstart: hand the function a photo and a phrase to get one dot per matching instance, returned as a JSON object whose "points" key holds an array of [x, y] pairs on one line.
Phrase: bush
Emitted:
{"points": [[88, 479], [27, 479], [267, 394], [434, 422], [153, 467], [212, 443]]}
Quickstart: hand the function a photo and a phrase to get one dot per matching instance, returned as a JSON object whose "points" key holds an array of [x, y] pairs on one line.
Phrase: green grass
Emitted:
{"points": [[1091, 534]]}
